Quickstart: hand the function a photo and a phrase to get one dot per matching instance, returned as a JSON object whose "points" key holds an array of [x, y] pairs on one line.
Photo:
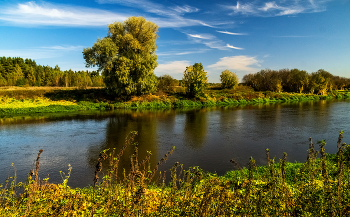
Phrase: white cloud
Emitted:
{"points": [[210, 41], [185, 9], [237, 63], [171, 17], [231, 33], [57, 15], [47, 14], [175, 68], [206, 24], [268, 6], [294, 9], [243, 9], [277, 8], [215, 44], [41, 52], [237, 48], [65, 48], [202, 36], [178, 53]]}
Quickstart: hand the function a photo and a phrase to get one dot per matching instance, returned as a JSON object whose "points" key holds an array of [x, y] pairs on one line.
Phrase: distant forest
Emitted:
{"points": [[15, 71], [296, 80]]}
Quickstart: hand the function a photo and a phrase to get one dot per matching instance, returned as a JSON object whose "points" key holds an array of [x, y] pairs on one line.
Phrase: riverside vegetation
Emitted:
{"points": [[26, 100], [318, 187], [126, 59]]}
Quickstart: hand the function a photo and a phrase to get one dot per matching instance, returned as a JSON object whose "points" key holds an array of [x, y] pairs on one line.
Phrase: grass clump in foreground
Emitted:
{"points": [[318, 187]]}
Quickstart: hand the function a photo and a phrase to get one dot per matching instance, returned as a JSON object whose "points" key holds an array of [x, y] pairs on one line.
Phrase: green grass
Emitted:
{"points": [[45, 105], [318, 187], [72, 100]]}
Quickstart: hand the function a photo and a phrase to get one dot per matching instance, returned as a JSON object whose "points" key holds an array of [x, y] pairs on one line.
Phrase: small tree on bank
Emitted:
{"points": [[195, 80], [229, 79], [127, 57]]}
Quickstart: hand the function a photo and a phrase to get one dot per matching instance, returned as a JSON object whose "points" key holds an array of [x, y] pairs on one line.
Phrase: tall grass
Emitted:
{"points": [[318, 187]]}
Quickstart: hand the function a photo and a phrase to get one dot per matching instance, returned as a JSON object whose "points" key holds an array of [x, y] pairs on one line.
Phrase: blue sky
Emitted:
{"points": [[241, 36]]}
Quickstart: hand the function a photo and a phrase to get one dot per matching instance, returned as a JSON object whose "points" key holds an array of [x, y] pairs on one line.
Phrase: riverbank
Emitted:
{"points": [[48, 100], [318, 187]]}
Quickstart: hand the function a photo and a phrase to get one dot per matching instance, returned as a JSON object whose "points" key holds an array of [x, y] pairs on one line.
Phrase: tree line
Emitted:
{"points": [[16, 71], [295, 80], [126, 58]]}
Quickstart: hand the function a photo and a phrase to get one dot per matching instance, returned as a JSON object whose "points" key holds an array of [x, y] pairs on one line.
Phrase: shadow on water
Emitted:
{"points": [[206, 137]]}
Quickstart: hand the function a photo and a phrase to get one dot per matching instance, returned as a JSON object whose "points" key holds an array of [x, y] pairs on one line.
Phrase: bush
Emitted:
{"points": [[167, 84], [228, 79], [195, 80]]}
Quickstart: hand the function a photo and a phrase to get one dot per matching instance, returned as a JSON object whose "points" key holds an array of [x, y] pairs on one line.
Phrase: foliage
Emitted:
{"points": [[195, 80], [19, 72], [318, 187], [229, 79], [166, 83], [45, 105], [127, 57], [295, 80], [43, 100]]}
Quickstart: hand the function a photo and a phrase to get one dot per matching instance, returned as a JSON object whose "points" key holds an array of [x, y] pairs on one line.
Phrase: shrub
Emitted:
{"points": [[166, 83], [229, 79], [195, 80]]}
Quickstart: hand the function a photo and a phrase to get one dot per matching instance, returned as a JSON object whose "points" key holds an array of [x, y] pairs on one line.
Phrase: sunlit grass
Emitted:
{"points": [[7, 102]]}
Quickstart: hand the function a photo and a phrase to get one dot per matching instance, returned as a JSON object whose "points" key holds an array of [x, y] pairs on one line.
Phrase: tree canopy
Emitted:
{"points": [[16, 71], [228, 79], [295, 80], [126, 57], [195, 79]]}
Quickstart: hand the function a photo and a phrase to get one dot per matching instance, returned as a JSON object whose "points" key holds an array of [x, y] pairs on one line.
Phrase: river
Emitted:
{"points": [[206, 137]]}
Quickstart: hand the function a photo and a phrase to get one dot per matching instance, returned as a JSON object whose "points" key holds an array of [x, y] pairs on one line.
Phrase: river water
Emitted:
{"points": [[207, 137]]}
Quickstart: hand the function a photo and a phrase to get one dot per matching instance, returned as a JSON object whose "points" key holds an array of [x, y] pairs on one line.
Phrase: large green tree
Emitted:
{"points": [[127, 57]]}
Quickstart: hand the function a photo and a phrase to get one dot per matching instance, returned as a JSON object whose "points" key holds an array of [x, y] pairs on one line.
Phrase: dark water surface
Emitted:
{"points": [[207, 137]]}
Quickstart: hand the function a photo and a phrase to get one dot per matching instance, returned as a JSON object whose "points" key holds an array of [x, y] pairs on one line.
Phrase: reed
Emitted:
{"points": [[318, 187]]}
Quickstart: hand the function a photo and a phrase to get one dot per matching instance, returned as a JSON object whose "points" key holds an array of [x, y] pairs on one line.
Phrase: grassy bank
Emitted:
{"points": [[44, 100], [45, 105], [318, 187]]}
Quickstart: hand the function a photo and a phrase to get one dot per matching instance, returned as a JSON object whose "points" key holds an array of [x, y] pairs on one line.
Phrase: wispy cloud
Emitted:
{"points": [[237, 63], [202, 36], [179, 53], [230, 46], [210, 41], [65, 48], [277, 8], [47, 14], [41, 52], [185, 9], [291, 36], [231, 33], [171, 16], [174, 68]]}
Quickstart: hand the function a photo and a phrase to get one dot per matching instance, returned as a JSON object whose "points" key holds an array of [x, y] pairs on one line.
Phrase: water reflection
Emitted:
{"points": [[207, 137], [118, 129], [196, 126]]}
